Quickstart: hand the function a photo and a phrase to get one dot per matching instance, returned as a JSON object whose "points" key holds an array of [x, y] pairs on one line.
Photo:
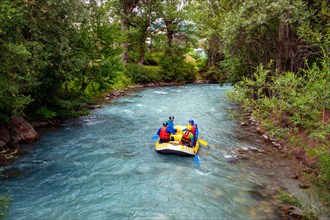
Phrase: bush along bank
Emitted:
{"points": [[292, 111]]}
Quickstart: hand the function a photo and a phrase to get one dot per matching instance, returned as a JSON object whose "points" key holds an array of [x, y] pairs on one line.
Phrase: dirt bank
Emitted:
{"points": [[286, 171]]}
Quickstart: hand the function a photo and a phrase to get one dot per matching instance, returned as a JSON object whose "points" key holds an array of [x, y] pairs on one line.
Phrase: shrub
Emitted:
{"points": [[201, 64], [5, 201], [153, 72], [233, 68], [214, 75], [45, 113], [194, 54], [143, 74], [174, 68], [323, 155], [289, 199], [121, 81], [151, 59]]}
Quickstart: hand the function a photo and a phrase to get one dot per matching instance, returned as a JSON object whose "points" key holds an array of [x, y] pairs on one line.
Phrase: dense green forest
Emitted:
{"points": [[59, 56]]}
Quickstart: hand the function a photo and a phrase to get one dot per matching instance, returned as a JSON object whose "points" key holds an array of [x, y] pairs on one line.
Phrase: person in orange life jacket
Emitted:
{"points": [[187, 137], [164, 133], [171, 123], [194, 130]]}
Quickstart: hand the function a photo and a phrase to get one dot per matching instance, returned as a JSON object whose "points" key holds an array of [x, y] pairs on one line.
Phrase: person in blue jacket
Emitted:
{"points": [[194, 130], [171, 124]]}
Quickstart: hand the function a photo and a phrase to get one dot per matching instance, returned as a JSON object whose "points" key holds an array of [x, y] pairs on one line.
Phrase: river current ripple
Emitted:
{"points": [[104, 166]]}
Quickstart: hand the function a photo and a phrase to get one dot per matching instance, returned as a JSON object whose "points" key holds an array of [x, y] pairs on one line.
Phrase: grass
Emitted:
{"points": [[309, 212]]}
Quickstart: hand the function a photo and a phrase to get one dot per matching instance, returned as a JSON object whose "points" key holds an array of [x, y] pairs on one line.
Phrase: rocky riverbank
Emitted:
{"points": [[281, 145], [289, 169]]}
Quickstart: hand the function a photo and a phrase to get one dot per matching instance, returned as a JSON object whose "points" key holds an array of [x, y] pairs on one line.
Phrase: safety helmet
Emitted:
{"points": [[165, 124], [189, 127], [171, 117], [191, 121]]}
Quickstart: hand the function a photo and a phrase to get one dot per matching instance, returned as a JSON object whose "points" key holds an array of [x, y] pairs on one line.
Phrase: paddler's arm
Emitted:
{"points": [[168, 129]]}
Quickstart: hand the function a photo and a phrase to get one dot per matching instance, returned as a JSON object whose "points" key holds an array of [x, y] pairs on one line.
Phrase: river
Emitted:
{"points": [[104, 166]]}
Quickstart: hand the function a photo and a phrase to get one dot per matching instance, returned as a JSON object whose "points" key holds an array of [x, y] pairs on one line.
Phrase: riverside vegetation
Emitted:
{"points": [[59, 57]]}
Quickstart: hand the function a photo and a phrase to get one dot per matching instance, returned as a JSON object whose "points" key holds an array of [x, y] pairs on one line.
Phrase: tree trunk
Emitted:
{"points": [[209, 57], [213, 54], [143, 44], [124, 55], [141, 55], [128, 7], [169, 33], [169, 39], [280, 49]]}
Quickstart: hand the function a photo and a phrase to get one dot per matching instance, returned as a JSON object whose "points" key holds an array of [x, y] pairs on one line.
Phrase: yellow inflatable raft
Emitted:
{"points": [[174, 147]]}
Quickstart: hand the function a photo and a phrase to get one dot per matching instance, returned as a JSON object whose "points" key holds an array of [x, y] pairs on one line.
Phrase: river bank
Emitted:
{"points": [[291, 172]]}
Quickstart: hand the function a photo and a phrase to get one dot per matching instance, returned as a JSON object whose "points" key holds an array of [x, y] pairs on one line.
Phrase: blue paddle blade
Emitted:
{"points": [[154, 137], [196, 159]]}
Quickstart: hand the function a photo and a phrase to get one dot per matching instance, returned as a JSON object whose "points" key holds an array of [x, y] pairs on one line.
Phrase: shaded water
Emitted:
{"points": [[104, 166]]}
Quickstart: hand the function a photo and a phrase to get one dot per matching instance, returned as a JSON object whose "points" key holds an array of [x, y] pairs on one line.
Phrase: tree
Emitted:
{"points": [[263, 30], [254, 32], [124, 10], [51, 28], [208, 16], [16, 75], [174, 18], [145, 15], [95, 53], [66, 47]]}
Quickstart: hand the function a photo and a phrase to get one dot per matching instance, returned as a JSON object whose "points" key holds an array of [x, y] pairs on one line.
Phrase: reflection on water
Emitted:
{"points": [[105, 166]]}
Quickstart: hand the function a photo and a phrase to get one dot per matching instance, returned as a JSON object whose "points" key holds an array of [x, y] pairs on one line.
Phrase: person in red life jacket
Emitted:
{"points": [[194, 130], [164, 133], [188, 137]]}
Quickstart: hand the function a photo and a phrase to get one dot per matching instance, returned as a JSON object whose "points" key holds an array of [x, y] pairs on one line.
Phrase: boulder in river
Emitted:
{"points": [[22, 130], [4, 134]]}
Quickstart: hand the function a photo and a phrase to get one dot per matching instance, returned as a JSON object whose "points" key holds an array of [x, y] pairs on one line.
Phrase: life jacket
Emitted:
{"points": [[164, 134], [193, 130], [186, 136]]}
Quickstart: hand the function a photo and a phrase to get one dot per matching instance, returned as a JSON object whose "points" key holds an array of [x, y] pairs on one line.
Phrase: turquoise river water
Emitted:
{"points": [[104, 166]]}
